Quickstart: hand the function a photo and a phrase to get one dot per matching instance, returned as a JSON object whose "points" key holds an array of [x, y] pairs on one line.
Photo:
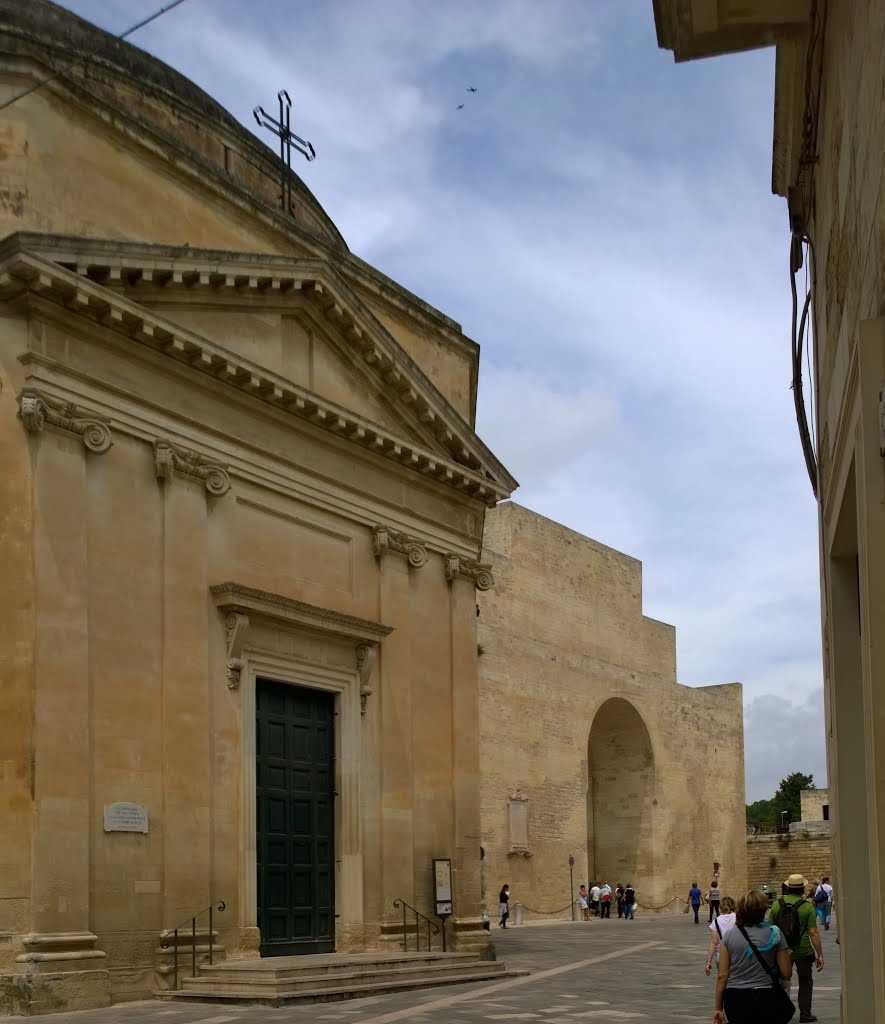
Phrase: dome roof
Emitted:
{"points": [[144, 88]]}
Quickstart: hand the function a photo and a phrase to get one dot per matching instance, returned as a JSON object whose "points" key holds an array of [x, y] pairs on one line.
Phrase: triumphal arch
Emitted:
{"points": [[591, 750], [241, 526]]}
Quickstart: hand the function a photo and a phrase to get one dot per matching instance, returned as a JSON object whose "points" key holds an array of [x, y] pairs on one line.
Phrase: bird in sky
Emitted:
{"points": [[460, 106], [471, 88]]}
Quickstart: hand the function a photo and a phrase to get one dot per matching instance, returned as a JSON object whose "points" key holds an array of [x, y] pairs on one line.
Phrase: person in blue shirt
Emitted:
{"points": [[695, 898]]}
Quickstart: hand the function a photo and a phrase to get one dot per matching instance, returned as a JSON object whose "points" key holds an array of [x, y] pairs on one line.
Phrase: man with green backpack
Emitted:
{"points": [[796, 918]]}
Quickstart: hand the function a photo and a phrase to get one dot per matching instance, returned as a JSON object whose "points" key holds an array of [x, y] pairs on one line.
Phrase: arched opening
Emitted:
{"points": [[620, 797]]}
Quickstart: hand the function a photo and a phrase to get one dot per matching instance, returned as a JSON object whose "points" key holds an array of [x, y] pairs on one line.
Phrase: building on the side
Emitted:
{"points": [[815, 804], [241, 509], [590, 748], [829, 137]]}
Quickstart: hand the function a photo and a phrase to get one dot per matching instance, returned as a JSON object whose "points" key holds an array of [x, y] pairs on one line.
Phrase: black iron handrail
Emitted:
{"points": [[426, 920], [171, 938]]}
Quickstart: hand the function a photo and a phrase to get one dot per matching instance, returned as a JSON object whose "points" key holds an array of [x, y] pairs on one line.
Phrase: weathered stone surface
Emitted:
{"points": [[582, 718]]}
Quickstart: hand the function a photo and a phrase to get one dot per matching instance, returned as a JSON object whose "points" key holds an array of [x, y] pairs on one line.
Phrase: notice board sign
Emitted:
{"points": [[442, 887], [124, 817]]}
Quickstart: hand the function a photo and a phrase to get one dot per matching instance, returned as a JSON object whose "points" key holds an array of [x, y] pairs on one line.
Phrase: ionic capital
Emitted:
{"points": [[37, 410], [384, 539], [480, 573]]}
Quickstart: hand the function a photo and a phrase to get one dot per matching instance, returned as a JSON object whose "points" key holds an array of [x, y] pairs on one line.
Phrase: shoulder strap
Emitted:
{"points": [[770, 971], [718, 929]]}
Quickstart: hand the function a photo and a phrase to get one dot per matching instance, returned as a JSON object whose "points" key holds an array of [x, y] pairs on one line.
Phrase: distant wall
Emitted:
{"points": [[771, 858]]}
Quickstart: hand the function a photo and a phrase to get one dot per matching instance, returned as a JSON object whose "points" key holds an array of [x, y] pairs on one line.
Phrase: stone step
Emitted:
{"points": [[351, 990], [270, 983], [291, 968]]}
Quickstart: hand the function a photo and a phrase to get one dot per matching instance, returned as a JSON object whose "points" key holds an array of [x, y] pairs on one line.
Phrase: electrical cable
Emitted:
{"points": [[98, 49], [809, 345], [797, 339]]}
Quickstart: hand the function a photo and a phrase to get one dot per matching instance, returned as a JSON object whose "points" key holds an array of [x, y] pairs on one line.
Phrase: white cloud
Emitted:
{"points": [[787, 735]]}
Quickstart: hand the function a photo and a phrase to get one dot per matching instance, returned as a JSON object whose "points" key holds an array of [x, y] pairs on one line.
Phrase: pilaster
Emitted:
{"points": [[468, 933], [185, 702], [62, 944]]}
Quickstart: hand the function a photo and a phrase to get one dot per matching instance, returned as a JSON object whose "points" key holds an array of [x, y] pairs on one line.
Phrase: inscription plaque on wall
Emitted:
{"points": [[124, 817]]}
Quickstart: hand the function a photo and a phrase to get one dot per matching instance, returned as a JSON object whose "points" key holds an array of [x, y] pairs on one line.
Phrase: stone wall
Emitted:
{"points": [[771, 858], [583, 721], [813, 803]]}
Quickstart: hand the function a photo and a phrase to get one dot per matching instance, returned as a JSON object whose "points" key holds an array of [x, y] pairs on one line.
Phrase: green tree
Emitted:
{"points": [[769, 813], [787, 795], [761, 813]]}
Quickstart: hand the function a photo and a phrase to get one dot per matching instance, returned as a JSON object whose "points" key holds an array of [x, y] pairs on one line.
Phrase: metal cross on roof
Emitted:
{"points": [[288, 140]]}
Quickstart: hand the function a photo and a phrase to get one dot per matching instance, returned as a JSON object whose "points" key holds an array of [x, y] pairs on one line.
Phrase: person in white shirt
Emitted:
{"points": [[719, 928], [605, 900], [594, 899]]}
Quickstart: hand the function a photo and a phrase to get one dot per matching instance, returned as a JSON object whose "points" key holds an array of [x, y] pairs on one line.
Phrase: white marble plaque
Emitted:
{"points": [[123, 817]]}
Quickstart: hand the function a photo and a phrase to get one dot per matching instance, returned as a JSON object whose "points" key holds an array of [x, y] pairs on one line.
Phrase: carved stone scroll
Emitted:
{"points": [[384, 539], [366, 656], [37, 410], [236, 625], [169, 459], [480, 573]]}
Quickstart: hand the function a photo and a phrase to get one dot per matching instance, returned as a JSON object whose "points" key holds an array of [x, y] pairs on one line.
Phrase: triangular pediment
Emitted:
{"points": [[288, 331]]}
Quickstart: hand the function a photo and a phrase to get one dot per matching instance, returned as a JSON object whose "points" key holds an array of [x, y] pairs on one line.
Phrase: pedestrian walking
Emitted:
{"points": [[619, 899], [713, 897], [796, 918], [695, 897], [754, 960], [605, 899], [722, 924], [504, 905], [629, 901], [583, 902], [823, 901]]}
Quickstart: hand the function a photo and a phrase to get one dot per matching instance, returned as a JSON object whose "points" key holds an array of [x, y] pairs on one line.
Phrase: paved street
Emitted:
{"points": [[650, 969]]}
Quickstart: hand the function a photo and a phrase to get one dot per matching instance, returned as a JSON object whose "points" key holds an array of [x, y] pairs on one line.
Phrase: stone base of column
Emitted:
{"points": [[467, 935], [182, 958], [54, 972], [248, 945]]}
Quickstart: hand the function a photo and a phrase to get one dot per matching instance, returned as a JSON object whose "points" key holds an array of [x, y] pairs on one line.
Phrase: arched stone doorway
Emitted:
{"points": [[620, 797]]}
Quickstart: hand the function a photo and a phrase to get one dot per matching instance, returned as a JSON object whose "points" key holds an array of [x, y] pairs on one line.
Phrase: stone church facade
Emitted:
{"points": [[241, 525], [590, 747]]}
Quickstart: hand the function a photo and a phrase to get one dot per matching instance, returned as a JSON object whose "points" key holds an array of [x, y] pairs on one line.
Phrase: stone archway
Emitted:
{"points": [[620, 797]]}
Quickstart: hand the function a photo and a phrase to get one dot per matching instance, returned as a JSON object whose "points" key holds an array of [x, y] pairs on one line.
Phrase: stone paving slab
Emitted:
{"points": [[601, 972]]}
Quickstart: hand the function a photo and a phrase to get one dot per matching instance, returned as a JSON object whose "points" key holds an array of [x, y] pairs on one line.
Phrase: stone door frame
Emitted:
{"points": [[346, 732], [288, 641]]}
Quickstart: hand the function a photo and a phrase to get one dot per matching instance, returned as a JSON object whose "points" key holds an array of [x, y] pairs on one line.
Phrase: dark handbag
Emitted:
{"points": [[782, 1007]]}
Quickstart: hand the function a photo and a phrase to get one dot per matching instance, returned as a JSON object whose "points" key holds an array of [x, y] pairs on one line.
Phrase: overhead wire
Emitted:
{"points": [[797, 340], [802, 334], [123, 35]]}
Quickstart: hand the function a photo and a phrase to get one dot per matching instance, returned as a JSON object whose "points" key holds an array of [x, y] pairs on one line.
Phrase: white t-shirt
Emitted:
{"points": [[725, 922], [594, 894], [828, 889]]}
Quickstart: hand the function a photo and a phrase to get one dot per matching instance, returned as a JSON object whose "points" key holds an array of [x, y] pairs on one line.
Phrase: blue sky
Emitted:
{"points": [[600, 220]]}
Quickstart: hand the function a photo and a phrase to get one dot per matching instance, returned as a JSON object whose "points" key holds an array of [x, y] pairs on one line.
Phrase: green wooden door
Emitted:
{"points": [[295, 812]]}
